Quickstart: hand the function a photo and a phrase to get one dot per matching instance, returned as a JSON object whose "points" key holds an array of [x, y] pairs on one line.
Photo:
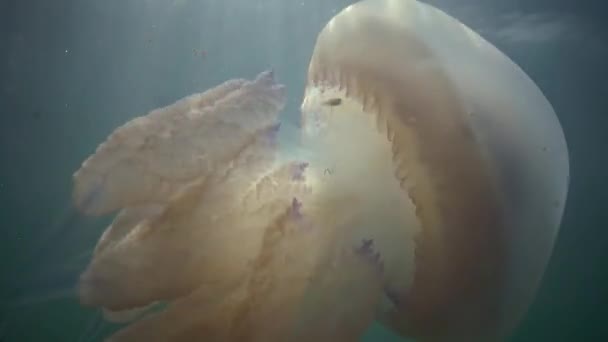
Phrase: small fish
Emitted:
{"points": [[333, 102]]}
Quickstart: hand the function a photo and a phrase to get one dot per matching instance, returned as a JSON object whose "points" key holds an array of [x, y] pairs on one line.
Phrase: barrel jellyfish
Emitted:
{"points": [[425, 192]]}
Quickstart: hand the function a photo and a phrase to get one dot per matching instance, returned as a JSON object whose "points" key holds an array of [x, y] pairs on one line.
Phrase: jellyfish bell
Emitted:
{"points": [[453, 148]]}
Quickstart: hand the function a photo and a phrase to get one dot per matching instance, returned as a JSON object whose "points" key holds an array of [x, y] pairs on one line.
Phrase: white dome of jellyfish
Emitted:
{"points": [[425, 193]]}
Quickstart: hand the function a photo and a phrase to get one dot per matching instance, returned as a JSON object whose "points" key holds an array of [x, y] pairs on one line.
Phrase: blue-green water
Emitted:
{"points": [[71, 71]]}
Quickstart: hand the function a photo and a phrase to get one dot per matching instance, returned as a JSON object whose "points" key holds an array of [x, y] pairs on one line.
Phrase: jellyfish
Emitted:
{"points": [[425, 191]]}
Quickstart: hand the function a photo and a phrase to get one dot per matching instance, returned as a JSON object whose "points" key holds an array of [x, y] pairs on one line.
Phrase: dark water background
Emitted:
{"points": [[71, 71]]}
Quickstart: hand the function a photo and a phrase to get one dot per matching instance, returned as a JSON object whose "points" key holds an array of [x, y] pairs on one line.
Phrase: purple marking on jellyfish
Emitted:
{"points": [[296, 208], [366, 250], [298, 172], [393, 296], [367, 245], [295, 212], [272, 132], [274, 129]]}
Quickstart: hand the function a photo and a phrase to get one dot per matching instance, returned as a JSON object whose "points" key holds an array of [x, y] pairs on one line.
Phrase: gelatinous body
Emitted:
{"points": [[472, 142], [428, 196]]}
